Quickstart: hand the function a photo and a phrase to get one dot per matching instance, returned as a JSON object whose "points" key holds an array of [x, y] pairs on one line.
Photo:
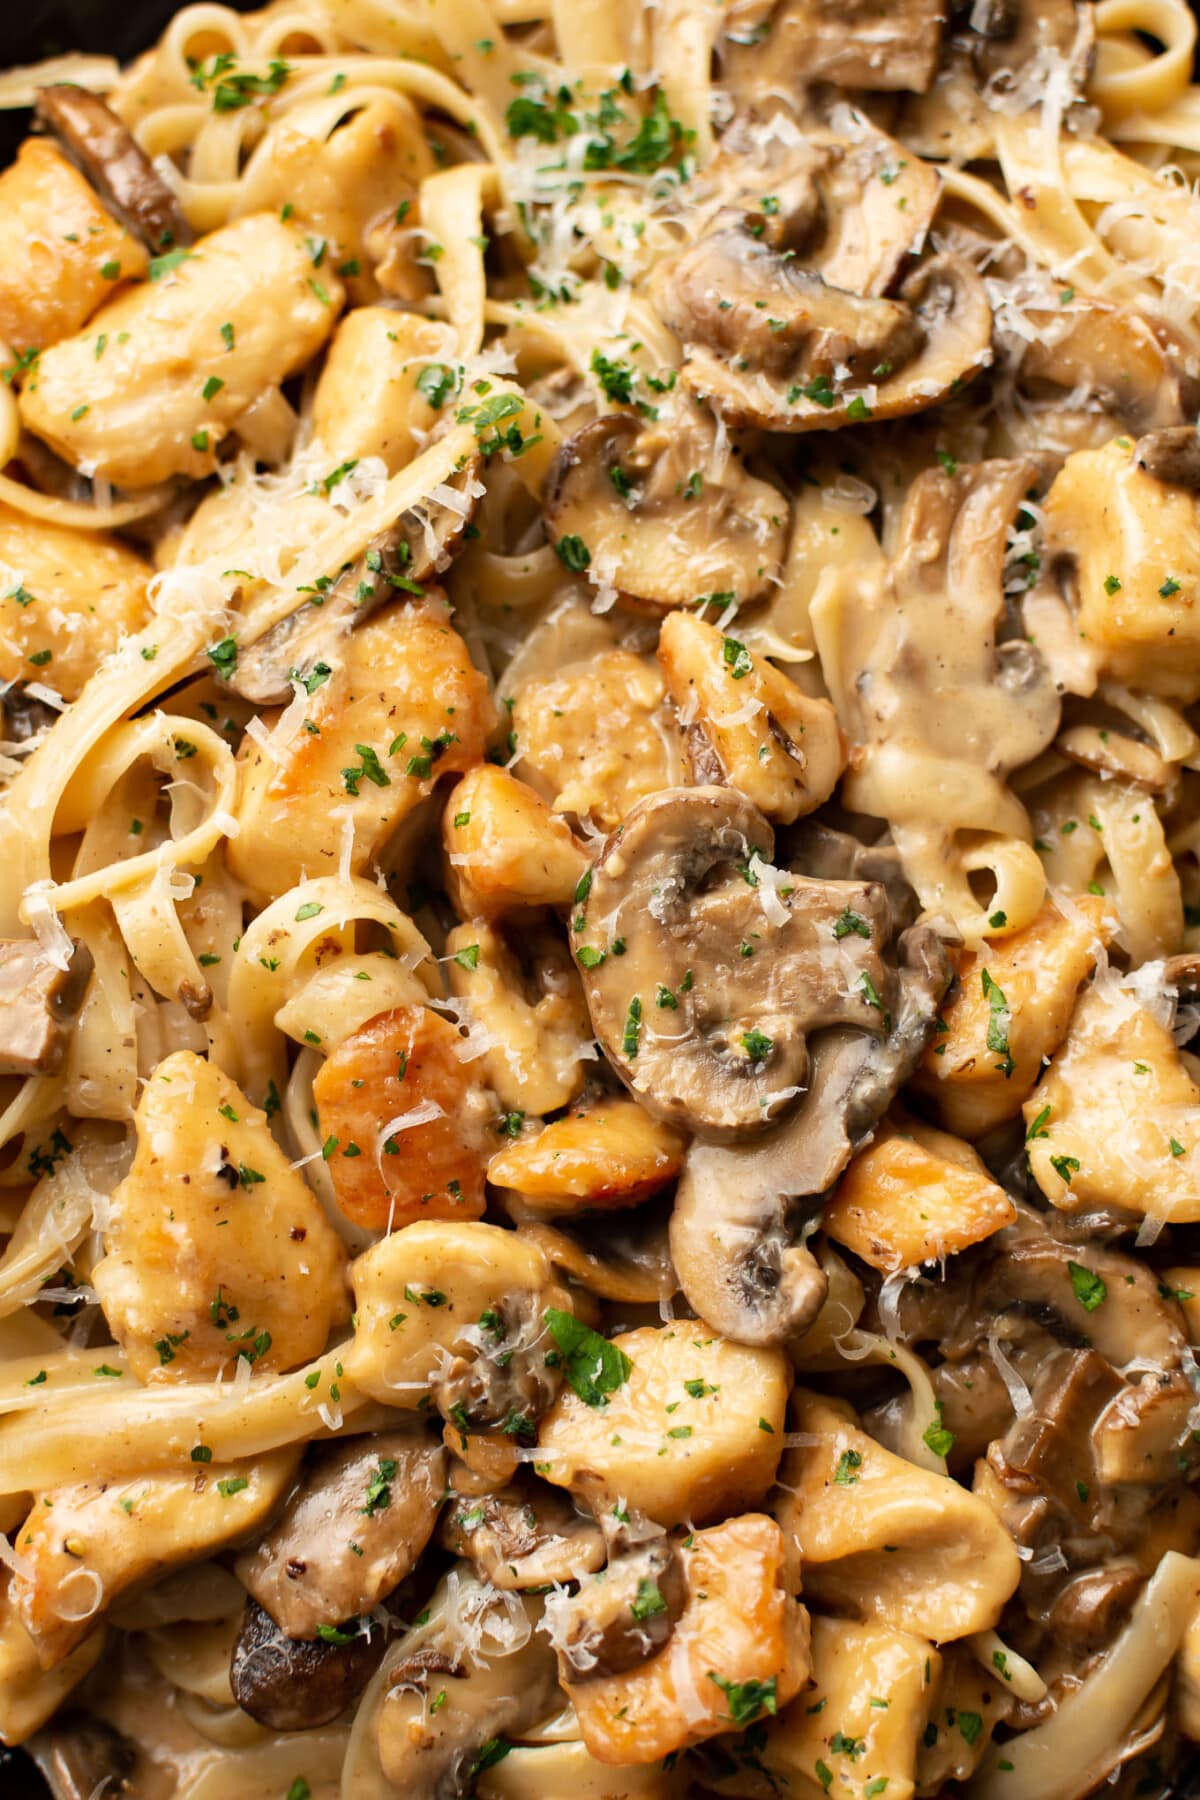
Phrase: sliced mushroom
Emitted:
{"points": [[816, 849], [706, 969], [505, 1385], [998, 48], [852, 43], [853, 208], [624, 1615], [734, 296], [662, 515], [1090, 1607], [25, 717], [737, 1208], [1171, 455], [769, 343], [1097, 352], [419, 546], [103, 149], [83, 1758], [437, 1702], [39, 1003], [523, 1537], [360, 1518], [616, 1256], [1115, 753], [1044, 1480], [1006, 36], [294, 1684]]}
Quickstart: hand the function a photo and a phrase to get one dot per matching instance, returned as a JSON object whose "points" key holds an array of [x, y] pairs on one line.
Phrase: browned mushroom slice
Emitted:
{"points": [[1171, 455], [876, 44], [1111, 354], [624, 1615], [816, 849], [293, 1684], [523, 1537], [24, 716], [506, 1384], [833, 359], [773, 319], [103, 149], [1000, 48], [1007, 36], [39, 1003], [1045, 1467], [658, 514], [1115, 753], [854, 209], [82, 1757], [363, 1513], [441, 1705], [418, 547], [616, 1256], [706, 969], [739, 1207]]}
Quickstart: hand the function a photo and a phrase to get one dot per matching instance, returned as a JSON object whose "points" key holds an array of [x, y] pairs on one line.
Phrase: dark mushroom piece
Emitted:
{"points": [[1090, 1607], [769, 342], [743, 307], [616, 1256], [623, 1616], [505, 1385], [524, 1536], [884, 45], [813, 848], [1034, 1271], [82, 1758], [739, 1207], [658, 514], [997, 47], [700, 1032], [104, 151], [39, 1003], [379, 1494], [1005, 37], [296, 1684], [25, 716], [1041, 1475], [419, 546], [1171, 455]]}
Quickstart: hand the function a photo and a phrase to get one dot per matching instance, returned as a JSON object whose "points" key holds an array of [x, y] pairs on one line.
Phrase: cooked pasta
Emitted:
{"points": [[600, 903]]}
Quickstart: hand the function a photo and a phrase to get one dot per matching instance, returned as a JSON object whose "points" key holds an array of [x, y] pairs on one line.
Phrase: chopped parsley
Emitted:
{"points": [[1090, 1289], [594, 1367]]}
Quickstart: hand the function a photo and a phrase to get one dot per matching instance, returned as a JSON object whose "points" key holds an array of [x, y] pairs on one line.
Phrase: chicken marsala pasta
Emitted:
{"points": [[600, 889]]}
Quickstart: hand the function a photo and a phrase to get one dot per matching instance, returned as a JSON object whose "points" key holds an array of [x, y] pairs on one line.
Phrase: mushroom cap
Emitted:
{"points": [[908, 354], [705, 969], [294, 1684], [105, 152], [662, 516], [738, 1205], [1171, 454]]}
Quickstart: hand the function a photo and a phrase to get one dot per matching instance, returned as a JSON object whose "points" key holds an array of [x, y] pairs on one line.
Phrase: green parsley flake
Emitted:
{"points": [[593, 1366], [1090, 1289]]}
